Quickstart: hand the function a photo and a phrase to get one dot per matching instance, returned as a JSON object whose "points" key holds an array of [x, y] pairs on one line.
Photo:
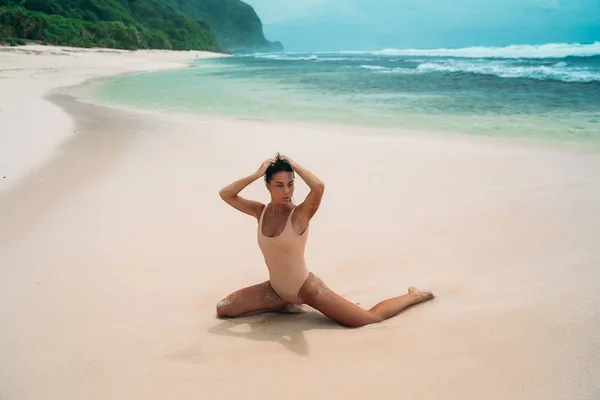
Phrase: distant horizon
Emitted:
{"points": [[366, 50], [337, 25], [291, 44]]}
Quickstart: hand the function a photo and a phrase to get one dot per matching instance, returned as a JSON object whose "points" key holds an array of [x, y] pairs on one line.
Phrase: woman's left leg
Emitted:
{"points": [[317, 295]]}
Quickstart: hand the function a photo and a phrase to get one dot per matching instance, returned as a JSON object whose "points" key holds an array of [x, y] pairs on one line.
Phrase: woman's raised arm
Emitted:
{"points": [[230, 193]]}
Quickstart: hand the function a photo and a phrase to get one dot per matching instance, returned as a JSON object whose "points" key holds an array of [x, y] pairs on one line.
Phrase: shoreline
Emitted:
{"points": [[83, 92], [114, 253], [21, 141]]}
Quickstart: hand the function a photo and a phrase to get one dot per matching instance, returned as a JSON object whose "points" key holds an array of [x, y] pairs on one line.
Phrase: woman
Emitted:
{"points": [[282, 233]]}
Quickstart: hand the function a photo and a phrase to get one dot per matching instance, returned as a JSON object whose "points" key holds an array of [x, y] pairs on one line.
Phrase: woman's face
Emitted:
{"points": [[281, 187]]}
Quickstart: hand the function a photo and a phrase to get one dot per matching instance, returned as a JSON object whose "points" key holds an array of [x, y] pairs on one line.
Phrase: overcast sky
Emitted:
{"points": [[375, 24]]}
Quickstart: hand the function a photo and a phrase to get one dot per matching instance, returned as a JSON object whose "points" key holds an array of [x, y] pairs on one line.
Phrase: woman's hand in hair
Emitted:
{"points": [[286, 158], [263, 167]]}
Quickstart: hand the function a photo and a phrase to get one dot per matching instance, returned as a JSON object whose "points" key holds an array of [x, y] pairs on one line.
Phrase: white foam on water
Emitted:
{"points": [[560, 71], [550, 50], [374, 67]]}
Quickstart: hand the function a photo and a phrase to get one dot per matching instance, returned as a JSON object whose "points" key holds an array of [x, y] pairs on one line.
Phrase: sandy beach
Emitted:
{"points": [[115, 248]]}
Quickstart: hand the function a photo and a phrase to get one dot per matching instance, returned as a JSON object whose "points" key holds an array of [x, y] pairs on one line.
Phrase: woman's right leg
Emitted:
{"points": [[252, 299], [317, 295]]}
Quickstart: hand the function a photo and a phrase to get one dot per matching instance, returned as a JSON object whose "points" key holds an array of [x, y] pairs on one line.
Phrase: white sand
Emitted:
{"points": [[115, 249], [30, 72]]}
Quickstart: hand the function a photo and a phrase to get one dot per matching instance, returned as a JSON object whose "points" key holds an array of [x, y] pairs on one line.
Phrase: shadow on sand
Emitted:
{"points": [[286, 329]]}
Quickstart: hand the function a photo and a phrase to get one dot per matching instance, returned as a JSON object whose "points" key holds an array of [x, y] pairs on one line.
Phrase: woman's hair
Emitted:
{"points": [[279, 165]]}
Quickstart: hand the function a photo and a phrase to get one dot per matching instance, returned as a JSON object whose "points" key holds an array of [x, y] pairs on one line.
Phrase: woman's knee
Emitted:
{"points": [[224, 308], [359, 321], [370, 318]]}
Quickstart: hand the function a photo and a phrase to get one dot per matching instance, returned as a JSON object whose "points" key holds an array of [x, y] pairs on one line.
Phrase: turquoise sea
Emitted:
{"points": [[549, 92]]}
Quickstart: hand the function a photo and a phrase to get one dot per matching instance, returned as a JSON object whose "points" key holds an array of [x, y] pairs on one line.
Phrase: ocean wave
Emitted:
{"points": [[399, 70], [559, 71], [285, 57], [308, 57], [343, 59], [374, 67], [550, 50], [388, 70]]}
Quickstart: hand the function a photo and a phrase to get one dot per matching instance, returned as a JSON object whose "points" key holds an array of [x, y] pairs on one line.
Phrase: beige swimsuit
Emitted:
{"points": [[284, 256]]}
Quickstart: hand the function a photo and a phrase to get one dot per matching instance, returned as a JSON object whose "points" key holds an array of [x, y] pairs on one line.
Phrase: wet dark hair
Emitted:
{"points": [[279, 165]]}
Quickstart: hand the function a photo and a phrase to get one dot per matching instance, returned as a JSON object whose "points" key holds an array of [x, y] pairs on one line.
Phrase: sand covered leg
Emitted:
{"points": [[252, 299], [317, 295]]}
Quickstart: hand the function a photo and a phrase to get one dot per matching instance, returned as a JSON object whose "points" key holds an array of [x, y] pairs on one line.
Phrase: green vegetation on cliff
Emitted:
{"points": [[123, 24], [236, 24]]}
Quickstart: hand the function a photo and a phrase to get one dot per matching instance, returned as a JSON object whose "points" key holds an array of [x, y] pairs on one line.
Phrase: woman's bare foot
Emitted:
{"points": [[420, 295]]}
